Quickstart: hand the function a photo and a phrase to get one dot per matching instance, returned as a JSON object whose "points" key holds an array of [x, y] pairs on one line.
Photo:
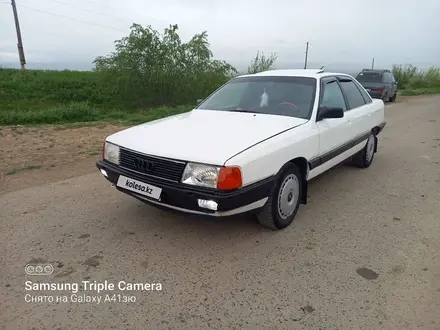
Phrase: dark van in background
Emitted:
{"points": [[380, 84]]}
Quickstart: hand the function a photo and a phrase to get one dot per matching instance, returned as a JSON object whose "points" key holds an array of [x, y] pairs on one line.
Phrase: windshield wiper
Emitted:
{"points": [[243, 110]]}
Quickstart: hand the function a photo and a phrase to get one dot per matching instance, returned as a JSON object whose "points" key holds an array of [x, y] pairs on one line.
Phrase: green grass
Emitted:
{"points": [[77, 98], [40, 89], [84, 112], [22, 169]]}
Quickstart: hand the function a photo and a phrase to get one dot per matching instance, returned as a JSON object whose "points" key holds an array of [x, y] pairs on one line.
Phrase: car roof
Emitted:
{"points": [[309, 73]]}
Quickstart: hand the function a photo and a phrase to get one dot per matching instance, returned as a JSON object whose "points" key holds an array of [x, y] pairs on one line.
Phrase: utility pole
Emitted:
{"points": [[307, 53], [372, 64], [19, 41]]}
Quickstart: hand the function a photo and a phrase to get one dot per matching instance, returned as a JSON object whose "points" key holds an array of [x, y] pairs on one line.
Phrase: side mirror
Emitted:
{"points": [[329, 112]]}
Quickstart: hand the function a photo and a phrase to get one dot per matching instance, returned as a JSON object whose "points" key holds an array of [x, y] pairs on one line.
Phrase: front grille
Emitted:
{"points": [[158, 167]]}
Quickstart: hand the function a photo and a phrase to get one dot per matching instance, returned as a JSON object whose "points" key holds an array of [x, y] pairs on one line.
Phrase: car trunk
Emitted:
{"points": [[372, 85]]}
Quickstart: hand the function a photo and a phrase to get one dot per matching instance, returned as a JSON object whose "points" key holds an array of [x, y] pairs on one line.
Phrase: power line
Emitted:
{"points": [[96, 3], [71, 18], [88, 10]]}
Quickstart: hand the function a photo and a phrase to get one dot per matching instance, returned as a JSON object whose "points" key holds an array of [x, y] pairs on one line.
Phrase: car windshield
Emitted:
{"points": [[369, 77], [284, 96]]}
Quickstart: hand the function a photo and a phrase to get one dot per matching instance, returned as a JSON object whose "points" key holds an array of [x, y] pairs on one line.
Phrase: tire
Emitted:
{"points": [[364, 158], [392, 99], [284, 199]]}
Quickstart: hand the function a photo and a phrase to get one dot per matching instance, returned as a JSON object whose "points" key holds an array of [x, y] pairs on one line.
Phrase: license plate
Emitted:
{"points": [[139, 187]]}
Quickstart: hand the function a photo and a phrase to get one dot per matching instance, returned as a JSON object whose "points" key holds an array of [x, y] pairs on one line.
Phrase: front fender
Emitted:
{"points": [[267, 158]]}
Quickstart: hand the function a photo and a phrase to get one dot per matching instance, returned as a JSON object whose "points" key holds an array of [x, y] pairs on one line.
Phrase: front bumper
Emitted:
{"points": [[184, 198]]}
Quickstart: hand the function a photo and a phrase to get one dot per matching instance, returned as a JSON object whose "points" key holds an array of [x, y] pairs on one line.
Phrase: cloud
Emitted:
{"points": [[339, 31]]}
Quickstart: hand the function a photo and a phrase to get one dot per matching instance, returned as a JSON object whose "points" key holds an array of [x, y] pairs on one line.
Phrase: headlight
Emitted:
{"points": [[222, 178], [201, 175], [111, 152]]}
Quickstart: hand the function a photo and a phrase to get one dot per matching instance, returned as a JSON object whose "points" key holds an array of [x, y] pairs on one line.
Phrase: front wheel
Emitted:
{"points": [[284, 199], [364, 158]]}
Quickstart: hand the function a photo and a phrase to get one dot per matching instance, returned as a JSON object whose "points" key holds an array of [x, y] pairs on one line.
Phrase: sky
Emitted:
{"points": [[343, 34]]}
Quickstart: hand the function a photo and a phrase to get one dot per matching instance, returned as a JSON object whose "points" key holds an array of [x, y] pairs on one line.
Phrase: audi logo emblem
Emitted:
{"points": [[143, 164], [38, 269]]}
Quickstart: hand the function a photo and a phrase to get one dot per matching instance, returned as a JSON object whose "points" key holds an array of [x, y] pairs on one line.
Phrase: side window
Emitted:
{"points": [[332, 96], [354, 96], [386, 78], [367, 97]]}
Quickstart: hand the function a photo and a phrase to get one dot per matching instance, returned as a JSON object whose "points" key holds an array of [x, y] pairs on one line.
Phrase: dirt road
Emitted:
{"points": [[363, 254]]}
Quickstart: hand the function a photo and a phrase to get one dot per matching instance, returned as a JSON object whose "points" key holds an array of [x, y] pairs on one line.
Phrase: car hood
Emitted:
{"points": [[204, 136]]}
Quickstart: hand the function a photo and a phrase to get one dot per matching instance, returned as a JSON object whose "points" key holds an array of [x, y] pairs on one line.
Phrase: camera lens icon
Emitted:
{"points": [[38, 269], [29, 269]]}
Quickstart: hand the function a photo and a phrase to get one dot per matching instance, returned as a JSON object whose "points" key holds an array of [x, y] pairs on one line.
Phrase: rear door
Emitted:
{"points": [[359, 109]]}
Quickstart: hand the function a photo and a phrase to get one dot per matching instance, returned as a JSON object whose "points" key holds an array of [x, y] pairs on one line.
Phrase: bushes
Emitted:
{"points": [[410, 77], [150, 69]]}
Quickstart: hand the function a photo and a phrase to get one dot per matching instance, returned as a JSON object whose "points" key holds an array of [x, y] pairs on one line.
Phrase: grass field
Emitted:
{"points": [[53, 97]]}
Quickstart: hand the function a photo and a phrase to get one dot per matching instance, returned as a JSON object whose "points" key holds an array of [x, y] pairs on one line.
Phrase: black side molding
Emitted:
{"points": [[319, 160]]}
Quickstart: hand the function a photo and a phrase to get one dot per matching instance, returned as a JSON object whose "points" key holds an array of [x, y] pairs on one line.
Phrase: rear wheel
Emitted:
{"points": [[284, 199], [364, 158], [393, 98]]}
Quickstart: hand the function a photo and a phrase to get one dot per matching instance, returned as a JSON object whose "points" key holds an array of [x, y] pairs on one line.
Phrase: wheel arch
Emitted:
{"points": [[303, 166]]}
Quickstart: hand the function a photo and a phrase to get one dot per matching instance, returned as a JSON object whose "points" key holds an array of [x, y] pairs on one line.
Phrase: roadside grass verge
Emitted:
{"points": [[22, 169], [82, 114], [420, 91]]}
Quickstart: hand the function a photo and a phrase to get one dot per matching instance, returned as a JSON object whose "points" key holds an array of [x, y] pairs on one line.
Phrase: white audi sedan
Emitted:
{"points": [[251, 146]]}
